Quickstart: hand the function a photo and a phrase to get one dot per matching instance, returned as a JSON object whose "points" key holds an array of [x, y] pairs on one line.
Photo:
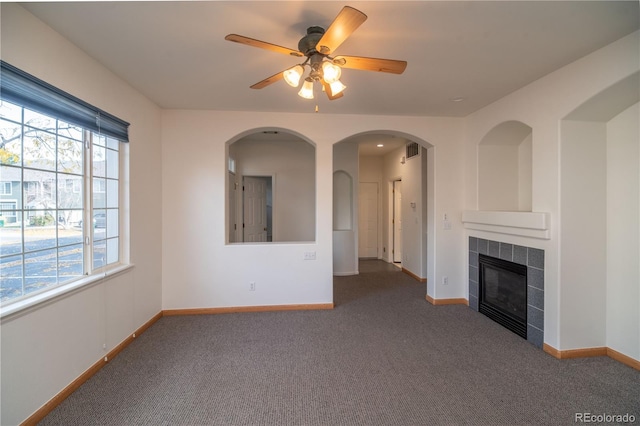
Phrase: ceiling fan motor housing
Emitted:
{"points": [[308, 43]]}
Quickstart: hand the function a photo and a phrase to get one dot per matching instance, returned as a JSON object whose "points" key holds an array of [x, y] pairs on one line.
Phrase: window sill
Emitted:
{"points": [[20, 306]]}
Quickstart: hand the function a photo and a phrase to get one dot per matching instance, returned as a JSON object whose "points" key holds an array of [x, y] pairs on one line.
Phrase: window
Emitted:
{"points": [[63, 222], [8, 209], [105, 165], [5, 188]]}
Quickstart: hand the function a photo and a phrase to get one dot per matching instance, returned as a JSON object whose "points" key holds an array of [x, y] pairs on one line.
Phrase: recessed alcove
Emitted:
{"points": [[342, 201], [505, 167], [599, 228]]}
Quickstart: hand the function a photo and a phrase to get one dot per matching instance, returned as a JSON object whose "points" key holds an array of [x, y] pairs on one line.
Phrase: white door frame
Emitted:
{"points": [[233, 217], [396, 221]]}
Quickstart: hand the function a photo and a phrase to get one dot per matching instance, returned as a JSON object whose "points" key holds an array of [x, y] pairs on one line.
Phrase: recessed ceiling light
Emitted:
{"points": [[458, 99], [380, 145]]}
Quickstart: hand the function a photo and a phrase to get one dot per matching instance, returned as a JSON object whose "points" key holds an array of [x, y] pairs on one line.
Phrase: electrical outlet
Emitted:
{"points": [[252, 286], [445, 280]]}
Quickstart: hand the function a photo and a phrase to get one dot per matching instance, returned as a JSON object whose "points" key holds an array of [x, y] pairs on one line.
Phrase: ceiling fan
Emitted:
{"points": [[318, 46]]}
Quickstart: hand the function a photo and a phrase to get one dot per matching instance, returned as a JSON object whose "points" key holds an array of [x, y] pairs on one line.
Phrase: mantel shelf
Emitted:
{"points": [[525, 224]]}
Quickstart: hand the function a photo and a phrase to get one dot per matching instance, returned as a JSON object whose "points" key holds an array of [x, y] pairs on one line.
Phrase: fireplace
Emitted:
{"points": [[532, 259], [503, 293]]}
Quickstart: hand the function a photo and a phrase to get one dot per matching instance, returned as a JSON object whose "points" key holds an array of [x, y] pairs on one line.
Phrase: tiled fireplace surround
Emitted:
{"points": [[533, 259]]}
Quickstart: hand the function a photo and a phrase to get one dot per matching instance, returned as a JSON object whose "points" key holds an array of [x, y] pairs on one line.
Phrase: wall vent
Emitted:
{"points": [[413, 150]]}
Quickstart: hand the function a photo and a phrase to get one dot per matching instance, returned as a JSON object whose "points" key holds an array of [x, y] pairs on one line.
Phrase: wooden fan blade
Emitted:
{"points": [[269, 80], [327, 90], [347, 21], [262, 45], [371, 64]]}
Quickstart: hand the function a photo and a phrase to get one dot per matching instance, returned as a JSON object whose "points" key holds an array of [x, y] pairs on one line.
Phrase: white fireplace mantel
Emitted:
{"points": [[524, 224]]}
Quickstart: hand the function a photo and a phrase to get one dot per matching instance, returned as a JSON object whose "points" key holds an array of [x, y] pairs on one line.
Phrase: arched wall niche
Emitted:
{"points": [[342, 201], [505, 168], [271, 187]]}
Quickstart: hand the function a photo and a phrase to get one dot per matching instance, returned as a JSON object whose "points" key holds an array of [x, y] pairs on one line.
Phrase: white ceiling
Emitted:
{"points": [[175, 52]]}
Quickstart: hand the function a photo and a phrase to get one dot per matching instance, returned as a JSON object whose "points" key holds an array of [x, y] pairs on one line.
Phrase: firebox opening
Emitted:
{"points": [[503, 293]]}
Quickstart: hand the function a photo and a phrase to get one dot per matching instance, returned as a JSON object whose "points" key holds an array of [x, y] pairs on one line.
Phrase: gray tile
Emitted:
{"points": [[473, 289], [535, 258], [473, 259], [535, 336], [494, 248], [535, 278], [483, 246], [473, 274], [520, 255], [473, 303], [535, 317], [473, 244], [506, 251], [535, 298]]}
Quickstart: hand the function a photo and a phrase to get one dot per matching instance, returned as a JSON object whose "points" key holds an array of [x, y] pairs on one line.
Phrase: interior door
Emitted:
{"points": [[368, 219], [397, 221], [254, 196]]}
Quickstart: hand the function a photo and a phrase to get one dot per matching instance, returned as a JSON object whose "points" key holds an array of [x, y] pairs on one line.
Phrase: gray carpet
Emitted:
{"points": [[383, 356]]}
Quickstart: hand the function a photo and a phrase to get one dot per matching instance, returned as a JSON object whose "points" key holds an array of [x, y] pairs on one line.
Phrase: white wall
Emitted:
{"points": [[623, 232], [524, 174], [410, 173], [448, 170], [345, 241], [583, 185], [292, 165], [542, 105], [600, 183], [200, 270], [498, 180], [504, 168], [342, 201], [47, 347]]}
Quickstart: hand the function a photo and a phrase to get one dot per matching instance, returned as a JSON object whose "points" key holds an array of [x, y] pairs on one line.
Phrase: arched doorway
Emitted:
{"points": [[374, 166]]}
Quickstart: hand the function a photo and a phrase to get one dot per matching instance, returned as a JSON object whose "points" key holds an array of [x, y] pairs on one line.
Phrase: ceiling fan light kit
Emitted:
{"points": [[331, 73], [292, 75], [307, 89], [337, 87], [317, 45]]}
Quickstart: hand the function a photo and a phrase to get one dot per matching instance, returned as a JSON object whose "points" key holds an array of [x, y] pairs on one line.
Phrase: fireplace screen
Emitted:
{"points": [[503, 293]]}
